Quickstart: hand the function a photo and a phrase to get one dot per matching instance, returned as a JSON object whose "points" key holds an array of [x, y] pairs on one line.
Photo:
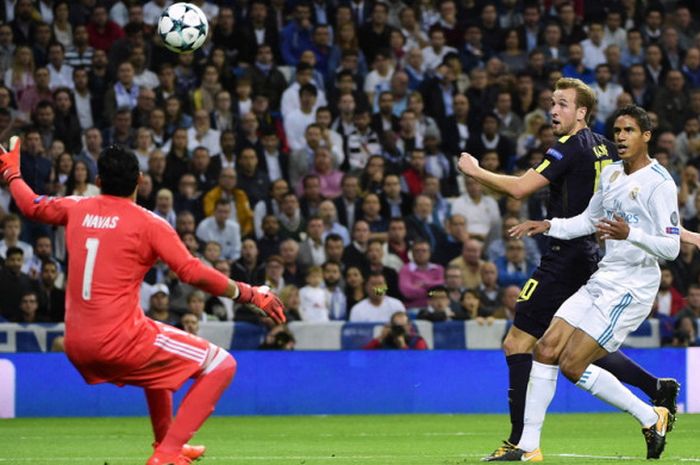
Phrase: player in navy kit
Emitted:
{"points": [[572, 169]]}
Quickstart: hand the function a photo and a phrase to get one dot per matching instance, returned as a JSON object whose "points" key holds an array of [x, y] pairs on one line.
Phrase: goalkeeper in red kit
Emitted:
{"points": [[112, 243]]}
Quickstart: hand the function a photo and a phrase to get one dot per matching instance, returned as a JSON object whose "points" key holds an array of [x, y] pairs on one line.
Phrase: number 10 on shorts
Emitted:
{"points": [[527, 290]]}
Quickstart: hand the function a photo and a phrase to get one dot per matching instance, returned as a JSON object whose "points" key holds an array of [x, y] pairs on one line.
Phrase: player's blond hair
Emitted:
{"points": [[585, 97]]}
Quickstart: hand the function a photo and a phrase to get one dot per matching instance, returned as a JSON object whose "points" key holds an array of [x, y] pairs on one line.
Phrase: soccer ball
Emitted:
{"points": [[183, 27]]}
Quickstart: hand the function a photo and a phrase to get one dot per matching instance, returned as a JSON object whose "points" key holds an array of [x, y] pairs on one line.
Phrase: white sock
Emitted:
{"points": [[606, 387], [540, 392]]}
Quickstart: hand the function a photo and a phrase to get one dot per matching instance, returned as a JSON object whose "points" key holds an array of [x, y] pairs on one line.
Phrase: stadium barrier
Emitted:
{"points": [[326, 382], [333, 335]]}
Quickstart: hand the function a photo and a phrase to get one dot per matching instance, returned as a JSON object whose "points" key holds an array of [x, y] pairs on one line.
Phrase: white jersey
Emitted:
{"points": [[647, 200]]}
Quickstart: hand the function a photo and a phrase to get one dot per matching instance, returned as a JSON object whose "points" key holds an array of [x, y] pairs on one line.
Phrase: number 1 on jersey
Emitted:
{"points": [[599, 165], [91, 244]]}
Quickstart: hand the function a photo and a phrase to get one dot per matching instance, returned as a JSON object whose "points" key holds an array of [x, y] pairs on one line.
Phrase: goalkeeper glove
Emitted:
{"points": [[263, 298], [9, 161]]}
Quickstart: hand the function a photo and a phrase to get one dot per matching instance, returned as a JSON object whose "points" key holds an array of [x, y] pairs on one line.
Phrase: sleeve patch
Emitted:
{"points": [[673, 230], [555, 153]]}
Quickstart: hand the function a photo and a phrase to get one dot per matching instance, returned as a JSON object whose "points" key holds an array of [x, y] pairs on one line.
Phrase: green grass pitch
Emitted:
{"points": [[320, 440]]}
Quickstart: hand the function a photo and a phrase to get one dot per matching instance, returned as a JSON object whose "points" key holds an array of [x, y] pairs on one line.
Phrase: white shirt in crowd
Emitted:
{"points": [[314, 304], [365, 311]]}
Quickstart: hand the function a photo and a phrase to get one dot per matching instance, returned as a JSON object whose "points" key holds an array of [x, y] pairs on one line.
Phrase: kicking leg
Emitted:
{"points": [[576, 365], [662, 391], [199, 402]]}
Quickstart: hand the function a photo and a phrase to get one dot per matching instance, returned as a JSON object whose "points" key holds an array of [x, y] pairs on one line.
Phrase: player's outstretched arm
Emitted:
{"points": [[514, 186], [41, 208], [168, 246]]}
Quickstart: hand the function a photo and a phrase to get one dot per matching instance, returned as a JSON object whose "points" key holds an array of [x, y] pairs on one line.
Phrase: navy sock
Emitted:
{"points": [[626, 370], [519, 366]]}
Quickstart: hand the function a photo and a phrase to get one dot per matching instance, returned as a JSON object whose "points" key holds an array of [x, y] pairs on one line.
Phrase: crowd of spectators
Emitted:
{"points": [[311, 146]]}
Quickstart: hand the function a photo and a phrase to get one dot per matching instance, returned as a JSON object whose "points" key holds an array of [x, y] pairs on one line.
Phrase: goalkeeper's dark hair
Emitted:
{"points": [[119, 171], [639, 114]]}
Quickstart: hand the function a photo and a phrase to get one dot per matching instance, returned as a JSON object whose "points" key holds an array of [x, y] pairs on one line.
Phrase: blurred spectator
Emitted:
{"points": [[259, 33], [314, 298], [43, 252], [655, 67], [378, 307], [270, 240], [490, 292], [51, 298], [354, 253], [416, 277], [332, 277], [311, 249], [248, 268], [374, 34], [274, 274], [692, 309], [202, 135], [349, 201], [222, 228], [196, 302], [291, 97], [159, 308], [371, 213], [685, 268], [452, 241], [691, 67], [228, 190], [39, 92], [419, 225], [669, 300], [482, 211], [189, 323], [375, 259], [671, 101], [509, 299], [289, 295], [278, 338], [250, 178], [363, 142], [497, 247], [398, 333], [294, 271], [329, 215], [514, 268], [296, 35], [470, 263], [637, 86], [355, 288], [12, 230], [29, 309], [606, 92], [13, 284], [685, 332], [438, 308]]}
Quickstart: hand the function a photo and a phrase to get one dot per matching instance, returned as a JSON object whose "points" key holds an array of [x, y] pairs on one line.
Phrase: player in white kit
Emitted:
{"points": [[634, 209]]}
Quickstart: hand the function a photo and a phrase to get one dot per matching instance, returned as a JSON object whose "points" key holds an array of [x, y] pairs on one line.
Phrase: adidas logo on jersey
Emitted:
{"points": [[100, 222]]}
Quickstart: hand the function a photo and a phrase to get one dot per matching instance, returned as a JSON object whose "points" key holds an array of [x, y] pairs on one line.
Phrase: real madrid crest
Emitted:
{"points": [[634, 193]]}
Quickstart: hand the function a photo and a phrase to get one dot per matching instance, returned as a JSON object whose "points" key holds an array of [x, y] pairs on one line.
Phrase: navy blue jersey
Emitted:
{"points": [[573, 166]]}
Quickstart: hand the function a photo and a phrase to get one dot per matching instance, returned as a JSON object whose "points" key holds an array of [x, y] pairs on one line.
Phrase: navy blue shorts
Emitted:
{"points": [[562, 272]]}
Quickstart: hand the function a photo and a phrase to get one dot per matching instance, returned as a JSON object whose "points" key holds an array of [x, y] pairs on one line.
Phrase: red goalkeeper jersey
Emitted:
{"points": [[111, 244]]}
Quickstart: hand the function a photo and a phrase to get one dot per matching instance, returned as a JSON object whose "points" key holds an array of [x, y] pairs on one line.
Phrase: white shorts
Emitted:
{"points": [[606, 314]]}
